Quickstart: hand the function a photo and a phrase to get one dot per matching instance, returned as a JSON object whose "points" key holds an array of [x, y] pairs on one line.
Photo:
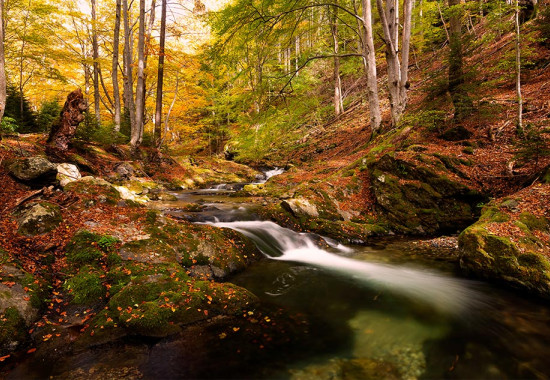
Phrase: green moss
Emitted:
{"points": [[83, 248], [533, 222], [492, 214], [86, 287], [12, 329], [468, 150]]}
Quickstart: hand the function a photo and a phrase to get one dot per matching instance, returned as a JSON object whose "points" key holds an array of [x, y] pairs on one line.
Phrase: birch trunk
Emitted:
{"points": [[128, 70], [95, 50], [114, 71], [370, 58], [137, 133], [160, 78], [337, 100], [2, 65], [518, 70]]}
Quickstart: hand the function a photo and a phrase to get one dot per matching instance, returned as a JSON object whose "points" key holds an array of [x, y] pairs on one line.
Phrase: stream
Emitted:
{"points": [[377, 312]]}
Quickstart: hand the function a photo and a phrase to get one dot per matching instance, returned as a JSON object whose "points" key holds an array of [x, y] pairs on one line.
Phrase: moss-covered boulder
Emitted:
{"points": [[38, 218], [13, 331], [35, 171], [417, 200], [95, 190], [152, 251], [511, 242]]}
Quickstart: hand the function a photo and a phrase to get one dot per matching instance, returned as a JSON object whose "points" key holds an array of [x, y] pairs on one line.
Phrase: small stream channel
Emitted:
{"points": [[378, 308]]}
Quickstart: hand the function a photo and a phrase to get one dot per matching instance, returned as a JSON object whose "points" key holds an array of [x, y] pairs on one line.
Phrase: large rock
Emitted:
{"points": [[67, 173], [417, 200], [38, 218], [300, 206], [36, 170], [95, 189], [510, 244], [14, 295], [151, 251]]}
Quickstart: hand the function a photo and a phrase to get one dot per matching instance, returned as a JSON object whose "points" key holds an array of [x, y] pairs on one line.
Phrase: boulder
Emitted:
{"points": [[67, 173], [95, 189], [510, 245], [36, 170], [13, 295], [300, 206], [151, 251], [417, 200], [38, 218]]}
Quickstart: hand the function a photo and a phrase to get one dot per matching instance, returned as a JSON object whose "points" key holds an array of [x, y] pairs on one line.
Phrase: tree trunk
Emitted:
{"points": [[166, 125], [2, 66], [22, 58], [397, 71], [337, 100], [64, 130], [518, 70], [129, 104], [370, 58], [95, 49], [160, 77], [137, 133], [456, 71], [114, 73]]}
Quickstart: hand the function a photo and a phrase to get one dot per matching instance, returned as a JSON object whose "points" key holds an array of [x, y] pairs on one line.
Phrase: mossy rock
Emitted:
{"points": [[510, 259], [159, 305], [94, 189], [36, 171], [416, 200], [13, 331], [86, 287], [87, 248], [38, 218], [152, 251]]}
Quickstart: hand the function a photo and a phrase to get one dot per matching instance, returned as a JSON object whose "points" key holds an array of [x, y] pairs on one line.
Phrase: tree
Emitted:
{"points": [[129, 104], [137, 132], [370, 66], [114, 70], [518, 69], [398, 83], [160, 76], [95, 49], [2, 66]]}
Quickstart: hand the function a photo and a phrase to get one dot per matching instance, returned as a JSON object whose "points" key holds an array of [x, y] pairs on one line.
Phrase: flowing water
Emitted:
{"points": [[381, 312]]}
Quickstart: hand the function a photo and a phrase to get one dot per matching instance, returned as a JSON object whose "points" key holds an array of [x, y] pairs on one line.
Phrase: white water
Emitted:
{"points": [[270, 173], [443, 292]]}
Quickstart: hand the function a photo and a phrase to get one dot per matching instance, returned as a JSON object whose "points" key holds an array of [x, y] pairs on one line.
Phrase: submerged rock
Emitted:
{"points": [[38, 218], [36, 170]]}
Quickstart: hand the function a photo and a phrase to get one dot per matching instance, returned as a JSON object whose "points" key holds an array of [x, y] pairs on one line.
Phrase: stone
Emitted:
{"points": [[38, 218], [36, 170], [15, 295], [300, 206], [148, 251], [67, 173], [457, 133], [124, 170], [127, 194]]}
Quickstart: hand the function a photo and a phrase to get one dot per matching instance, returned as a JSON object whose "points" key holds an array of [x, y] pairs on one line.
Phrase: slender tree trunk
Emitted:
{"points": [[22, 59], [148, 37], [459, 96], [337, 101], [370, 57], [166, 125], [160, 78], [137, 134], [2, 66], [518, 70], [128, 70], [114, 73], [95, 49], [397, 71]]}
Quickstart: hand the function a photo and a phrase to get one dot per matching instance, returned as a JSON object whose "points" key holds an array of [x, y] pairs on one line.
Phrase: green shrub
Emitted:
{"points": [[48, 113]]}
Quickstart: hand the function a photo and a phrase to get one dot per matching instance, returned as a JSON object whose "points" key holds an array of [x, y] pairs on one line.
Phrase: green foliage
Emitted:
{"points": [[87, 247], [24, 117], [533, 145], [8, 125], [92, 131], [543, 24], [48, 113]]}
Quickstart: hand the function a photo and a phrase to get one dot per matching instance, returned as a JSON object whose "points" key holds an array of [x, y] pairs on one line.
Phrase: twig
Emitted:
{"points": [[30, 196]]}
